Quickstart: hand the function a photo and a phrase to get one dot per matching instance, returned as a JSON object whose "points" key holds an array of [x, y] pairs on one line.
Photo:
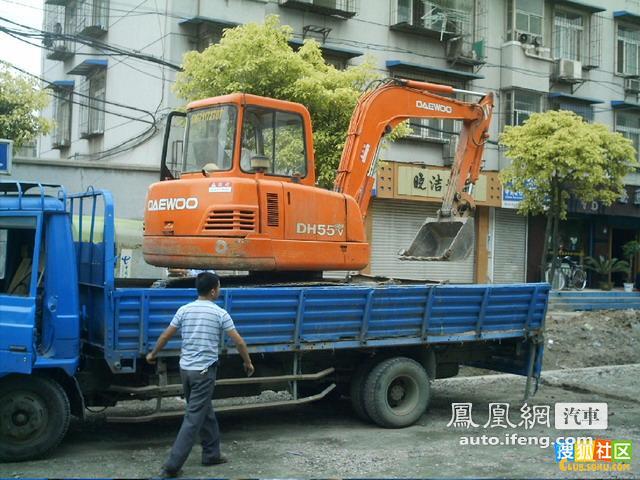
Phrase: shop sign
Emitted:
{"points": [[511, 198], [432, 182]]}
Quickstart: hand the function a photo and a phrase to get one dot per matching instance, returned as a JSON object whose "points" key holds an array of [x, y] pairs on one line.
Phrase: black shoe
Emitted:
{"points": [[215, 461], [164, 473]]}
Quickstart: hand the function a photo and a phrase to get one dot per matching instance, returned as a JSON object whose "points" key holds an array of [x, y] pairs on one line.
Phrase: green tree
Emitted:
{"points": [[20, 103], [557, 155], [258, 59]]}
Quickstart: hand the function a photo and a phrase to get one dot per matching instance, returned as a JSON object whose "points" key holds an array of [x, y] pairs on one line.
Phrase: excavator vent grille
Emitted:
{"points": [[273, 213], [231, 221]]}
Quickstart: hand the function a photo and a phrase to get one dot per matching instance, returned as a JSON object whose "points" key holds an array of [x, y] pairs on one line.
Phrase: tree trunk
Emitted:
{"points": [[545, 244], [556, 196]]}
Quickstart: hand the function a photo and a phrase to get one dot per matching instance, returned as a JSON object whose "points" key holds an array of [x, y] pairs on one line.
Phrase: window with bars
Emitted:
{"points": [[628, 124], [92, 17], [92, 107], [585, 110], [519, 105], [208, 34], [62, 108], [569, 35], [445, 16], [525, 16], [628, 50]]}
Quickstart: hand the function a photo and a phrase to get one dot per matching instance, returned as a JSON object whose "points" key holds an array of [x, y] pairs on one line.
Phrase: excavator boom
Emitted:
{"points": [[450, 235]]}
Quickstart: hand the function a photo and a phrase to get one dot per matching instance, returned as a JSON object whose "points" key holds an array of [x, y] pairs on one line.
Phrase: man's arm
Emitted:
{"points": [[242, 350], [164, 337]]}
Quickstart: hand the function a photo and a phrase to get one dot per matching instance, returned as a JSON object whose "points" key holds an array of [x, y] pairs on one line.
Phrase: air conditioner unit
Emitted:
{"points": [[632, 85], [568, 70]]}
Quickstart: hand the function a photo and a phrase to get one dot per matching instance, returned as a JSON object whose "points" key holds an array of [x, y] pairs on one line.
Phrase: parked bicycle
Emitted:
{"points": [[568, 274]]}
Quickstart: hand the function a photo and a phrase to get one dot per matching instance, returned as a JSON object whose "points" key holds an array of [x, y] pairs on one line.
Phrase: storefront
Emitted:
{"points": [[406, 194], [591, 229]]}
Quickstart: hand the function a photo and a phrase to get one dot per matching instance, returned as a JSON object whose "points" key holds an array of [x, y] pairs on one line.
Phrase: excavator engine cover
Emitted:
{"points": [[442, 239]]}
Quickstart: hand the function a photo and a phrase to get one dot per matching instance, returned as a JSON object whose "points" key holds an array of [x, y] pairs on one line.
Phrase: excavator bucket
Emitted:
{"points": [[442, 239]]}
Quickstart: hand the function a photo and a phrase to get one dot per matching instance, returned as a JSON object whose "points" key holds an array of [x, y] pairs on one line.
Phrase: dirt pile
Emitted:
{"points": [[587, 339]]}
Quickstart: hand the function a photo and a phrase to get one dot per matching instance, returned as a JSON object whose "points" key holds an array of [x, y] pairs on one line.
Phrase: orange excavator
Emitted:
{"points": [[244, 195]]}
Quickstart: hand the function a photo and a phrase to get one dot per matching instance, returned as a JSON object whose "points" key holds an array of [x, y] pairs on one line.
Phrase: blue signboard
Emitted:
{"points": [[6, 147], [511, 198]]}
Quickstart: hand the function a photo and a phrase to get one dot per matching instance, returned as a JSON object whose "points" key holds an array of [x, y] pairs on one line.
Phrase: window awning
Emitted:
{"points": [[573, 98], [402, 65], [623, 105], [88, 66], [62, 84], [580, 5], [331, 49], [198, 20], [625, 15]]}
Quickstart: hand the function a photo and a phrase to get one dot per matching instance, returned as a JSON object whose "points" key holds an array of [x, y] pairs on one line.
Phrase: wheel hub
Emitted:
{"points": [[23, 414], [397, 392]]}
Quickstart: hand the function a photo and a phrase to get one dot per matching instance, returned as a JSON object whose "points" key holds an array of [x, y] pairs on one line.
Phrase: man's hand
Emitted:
{"points": [[151, 358], [249, 369]]}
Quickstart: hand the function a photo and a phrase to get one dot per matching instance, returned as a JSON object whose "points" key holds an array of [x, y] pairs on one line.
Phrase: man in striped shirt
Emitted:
{"points": [[201, 324]]}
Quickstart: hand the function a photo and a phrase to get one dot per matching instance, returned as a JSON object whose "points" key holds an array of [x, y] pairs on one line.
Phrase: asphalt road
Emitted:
{"points": [[326, 440]]}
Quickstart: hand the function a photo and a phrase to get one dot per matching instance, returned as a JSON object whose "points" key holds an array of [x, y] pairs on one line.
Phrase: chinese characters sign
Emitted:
{"points": [[432, 182]]}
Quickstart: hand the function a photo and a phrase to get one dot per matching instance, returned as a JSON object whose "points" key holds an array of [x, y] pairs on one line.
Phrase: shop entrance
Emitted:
{"points": [[620, 236]]}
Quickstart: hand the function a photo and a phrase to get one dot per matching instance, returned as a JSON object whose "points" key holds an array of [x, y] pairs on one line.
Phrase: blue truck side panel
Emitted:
{"points": [[306, 318]]}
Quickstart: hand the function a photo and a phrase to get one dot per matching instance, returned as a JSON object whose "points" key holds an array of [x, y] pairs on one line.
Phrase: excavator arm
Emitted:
{"points": [[377, 113]]}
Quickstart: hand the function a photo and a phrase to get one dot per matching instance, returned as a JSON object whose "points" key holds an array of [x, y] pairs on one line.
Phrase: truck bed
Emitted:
{"points": [[328, 318]]}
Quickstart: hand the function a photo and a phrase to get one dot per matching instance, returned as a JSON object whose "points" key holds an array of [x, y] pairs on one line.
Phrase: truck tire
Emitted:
{"points": [[34, 417], [356, 390], [396, 392]]}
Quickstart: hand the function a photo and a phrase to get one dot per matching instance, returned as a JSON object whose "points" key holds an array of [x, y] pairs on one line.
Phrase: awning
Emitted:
{"points": [[62, 84], [332, 49], [88, 66], [427, 69], [198, 20], [625, 15], [574, 98], [581, 5], [622, 104]]}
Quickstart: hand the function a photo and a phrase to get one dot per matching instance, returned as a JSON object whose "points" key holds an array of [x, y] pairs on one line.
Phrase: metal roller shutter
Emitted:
{"points": [[395, 223], [510, 247]]}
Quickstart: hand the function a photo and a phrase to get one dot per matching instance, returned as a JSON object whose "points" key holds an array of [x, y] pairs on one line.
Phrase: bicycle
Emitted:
{"points": [[568, 274]]}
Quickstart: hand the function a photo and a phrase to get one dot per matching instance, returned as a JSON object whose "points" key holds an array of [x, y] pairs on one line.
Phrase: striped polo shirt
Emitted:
{"points": [[200, 324]]}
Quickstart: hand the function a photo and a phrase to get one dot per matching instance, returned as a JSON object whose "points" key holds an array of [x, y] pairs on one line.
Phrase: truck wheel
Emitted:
{"points": [[396, 392], [356, 390], [34, 417]]}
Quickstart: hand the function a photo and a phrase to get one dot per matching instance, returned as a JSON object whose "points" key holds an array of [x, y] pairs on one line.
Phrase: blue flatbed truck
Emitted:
{"points": [[73, 336]]}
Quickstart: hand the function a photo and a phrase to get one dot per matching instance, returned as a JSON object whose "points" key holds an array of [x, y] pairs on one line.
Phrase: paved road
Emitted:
{"points": [[325, 440]]}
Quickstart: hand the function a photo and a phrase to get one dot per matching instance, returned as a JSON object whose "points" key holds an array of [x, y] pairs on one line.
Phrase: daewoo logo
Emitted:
{"points": [[163, 204], [436, 107]]}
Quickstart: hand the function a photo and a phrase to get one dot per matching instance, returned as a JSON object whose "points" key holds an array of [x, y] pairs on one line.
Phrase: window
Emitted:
{"points": [[628, 53], [526, 15], [62, 106], [445, 16], [17, 241], [210, 138], [273, 138], [92, 17], [585, 110], [336, 61], [519, 105], [568, 35], [628, 124], [92, 98], [208, 34]]}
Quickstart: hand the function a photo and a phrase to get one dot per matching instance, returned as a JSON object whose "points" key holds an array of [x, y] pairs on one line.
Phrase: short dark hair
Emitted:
{"points": [[206, 281]]}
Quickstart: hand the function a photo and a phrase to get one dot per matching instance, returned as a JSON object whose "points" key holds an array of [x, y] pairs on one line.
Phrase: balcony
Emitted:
{"points": [[431, 18], [53, 25], [92, 17], [336, 8]]}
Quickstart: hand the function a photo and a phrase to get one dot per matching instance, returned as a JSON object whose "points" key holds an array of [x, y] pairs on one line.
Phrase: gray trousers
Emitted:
{"points": [[199, 418]]}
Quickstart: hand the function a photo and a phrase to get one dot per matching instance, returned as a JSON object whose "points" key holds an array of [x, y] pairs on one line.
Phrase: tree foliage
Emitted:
{"points": [[20, 103], [557, 155], [258, 59]]}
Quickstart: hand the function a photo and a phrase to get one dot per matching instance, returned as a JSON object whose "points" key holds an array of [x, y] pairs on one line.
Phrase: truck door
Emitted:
{"points": [[20, 275]]}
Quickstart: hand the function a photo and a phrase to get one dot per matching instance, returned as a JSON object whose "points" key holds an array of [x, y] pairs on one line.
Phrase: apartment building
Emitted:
{"points": [[534, 54]]}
